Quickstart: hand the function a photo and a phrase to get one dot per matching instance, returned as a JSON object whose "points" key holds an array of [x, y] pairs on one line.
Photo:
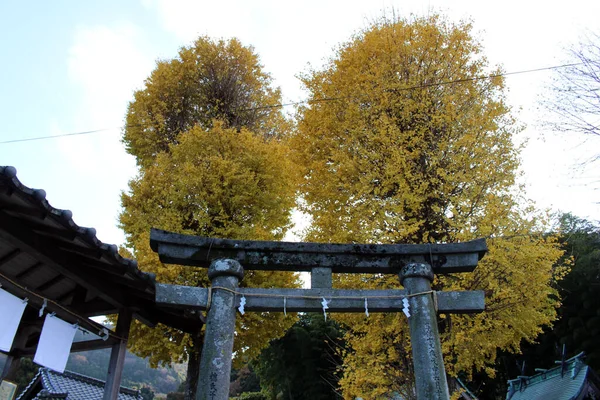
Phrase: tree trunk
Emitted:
{"points": [[193, 367]]}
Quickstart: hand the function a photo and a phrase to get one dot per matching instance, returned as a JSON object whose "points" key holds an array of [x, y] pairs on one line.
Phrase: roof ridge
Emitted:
{"points": [[65, 217], [569, 362], [534, 379], [30, 384], [83, 378], [46, 381], [95, 381]]}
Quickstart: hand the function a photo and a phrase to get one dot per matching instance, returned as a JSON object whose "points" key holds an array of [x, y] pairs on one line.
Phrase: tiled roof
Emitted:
{"points": [[44, 254], [554, 383], [85, 235], [70, 386]]}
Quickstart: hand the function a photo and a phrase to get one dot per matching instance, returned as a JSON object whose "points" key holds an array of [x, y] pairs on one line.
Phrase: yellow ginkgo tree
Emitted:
{"points": [[211, 163], [404, 140]]}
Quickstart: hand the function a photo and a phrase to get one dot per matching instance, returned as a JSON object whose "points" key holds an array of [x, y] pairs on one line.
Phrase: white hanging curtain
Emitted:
{"points": [[55, 343], [11, 312]]}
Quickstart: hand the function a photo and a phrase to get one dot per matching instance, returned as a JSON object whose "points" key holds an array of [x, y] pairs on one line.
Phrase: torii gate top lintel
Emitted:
{"points": [[174, 248]]}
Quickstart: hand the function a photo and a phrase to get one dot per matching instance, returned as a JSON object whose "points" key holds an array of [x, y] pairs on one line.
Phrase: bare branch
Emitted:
{"points": [[574, 101]]}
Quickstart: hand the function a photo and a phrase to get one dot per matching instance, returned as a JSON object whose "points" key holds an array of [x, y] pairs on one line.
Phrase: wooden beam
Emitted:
{"points": [[94, 308], [79, 295], [76, 347], [10, 256], [28, 270], [116, 293], [199, 251], [22, 237], [85, 248], [36, 301], [181, 319], [97, 344], [88, 277], [49, 283], [15, 233], [50, 231], [119, 274], [309, 300], [30, 211]]}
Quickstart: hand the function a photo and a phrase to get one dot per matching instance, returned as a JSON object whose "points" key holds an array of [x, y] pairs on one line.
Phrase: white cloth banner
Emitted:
{"points": [[11, 311], [55, 343]]}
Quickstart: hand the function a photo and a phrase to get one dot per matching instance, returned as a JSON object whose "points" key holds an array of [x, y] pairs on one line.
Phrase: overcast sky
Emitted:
{"points": [[72, 66]]}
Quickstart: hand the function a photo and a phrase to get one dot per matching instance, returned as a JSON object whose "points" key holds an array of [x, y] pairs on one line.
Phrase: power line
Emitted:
{"points": [[57, 136], [325, 99], [423, 86]]}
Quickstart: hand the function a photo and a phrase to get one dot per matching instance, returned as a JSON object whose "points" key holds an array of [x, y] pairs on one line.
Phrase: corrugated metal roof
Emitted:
{"points": [[51, 385]]}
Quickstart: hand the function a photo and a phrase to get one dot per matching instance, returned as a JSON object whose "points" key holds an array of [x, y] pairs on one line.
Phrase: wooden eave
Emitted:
{"points": [[42, 250]]}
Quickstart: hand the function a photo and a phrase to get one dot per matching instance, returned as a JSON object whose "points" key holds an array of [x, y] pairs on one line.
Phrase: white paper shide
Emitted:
{"points": [[55, 343], [11, 311]]}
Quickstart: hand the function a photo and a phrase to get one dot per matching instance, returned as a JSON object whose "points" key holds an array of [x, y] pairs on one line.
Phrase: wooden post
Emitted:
{"points": [[10, 366], [12, 361], [193, 367], [117, 356]]}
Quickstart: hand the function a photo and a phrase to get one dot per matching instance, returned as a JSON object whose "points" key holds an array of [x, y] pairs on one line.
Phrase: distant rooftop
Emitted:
{"points": [[51, 385], [573, 381]]}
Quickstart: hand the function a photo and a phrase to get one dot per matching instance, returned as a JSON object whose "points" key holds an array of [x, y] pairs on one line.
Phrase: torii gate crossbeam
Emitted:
{"points": [[309, 300], [415, 265]]}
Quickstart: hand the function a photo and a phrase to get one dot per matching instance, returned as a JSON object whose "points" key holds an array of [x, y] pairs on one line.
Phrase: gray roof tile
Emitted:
{"points": [[8, 175], [71, 386]]}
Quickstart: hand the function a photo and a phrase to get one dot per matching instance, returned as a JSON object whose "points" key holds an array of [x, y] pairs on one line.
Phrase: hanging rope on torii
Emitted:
{"points": [[226, 260]]}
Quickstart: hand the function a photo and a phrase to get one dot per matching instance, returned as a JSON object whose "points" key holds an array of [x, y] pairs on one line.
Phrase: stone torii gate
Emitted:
{"points": [[227, 259]]}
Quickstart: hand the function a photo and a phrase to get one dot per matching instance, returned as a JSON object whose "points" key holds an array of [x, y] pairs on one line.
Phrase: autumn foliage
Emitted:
{"points": [[208, 81], [216, 183], [211, 164], [403, 142]]}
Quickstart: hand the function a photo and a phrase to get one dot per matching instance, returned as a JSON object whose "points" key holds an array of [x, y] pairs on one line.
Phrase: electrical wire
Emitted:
{"points": [[324, 99], [57, 136], [422, 86]]}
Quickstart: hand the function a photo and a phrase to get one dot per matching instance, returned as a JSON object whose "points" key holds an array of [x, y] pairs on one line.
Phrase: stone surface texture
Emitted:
{"points": [[320, 278], [215, 363], [430, 374], [309, 300]]}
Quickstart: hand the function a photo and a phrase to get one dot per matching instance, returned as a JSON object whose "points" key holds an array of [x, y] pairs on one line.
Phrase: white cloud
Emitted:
{"points": [[105, 65], [187, 19], [286, 35]]}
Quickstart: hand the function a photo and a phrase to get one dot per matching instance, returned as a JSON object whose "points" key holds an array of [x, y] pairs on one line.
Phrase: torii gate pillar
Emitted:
{"points": [[430, 375], [217, 350]]}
